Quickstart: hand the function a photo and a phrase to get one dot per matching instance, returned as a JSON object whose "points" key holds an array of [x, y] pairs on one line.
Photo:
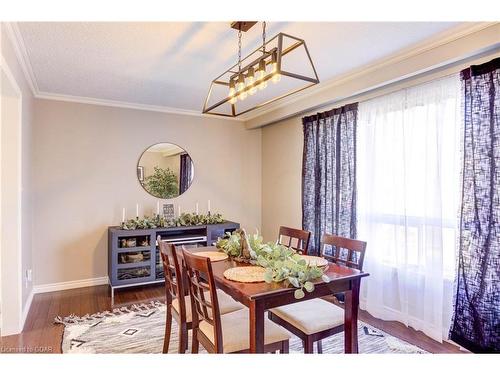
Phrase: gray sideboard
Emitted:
{"points": [[134, 258]]}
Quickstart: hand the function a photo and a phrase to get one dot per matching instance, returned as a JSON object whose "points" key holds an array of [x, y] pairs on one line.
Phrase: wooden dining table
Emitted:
{"points": [[261, 296]]}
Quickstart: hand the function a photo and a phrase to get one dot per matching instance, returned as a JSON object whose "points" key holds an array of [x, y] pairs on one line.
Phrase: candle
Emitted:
{"points": [[137, 210], [196, 208], [123, 215], [209, 205], [157, 207], [179, 210]]}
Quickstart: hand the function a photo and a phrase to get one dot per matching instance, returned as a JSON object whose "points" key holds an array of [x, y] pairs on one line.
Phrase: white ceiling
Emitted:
{"points": [[171, 64]]}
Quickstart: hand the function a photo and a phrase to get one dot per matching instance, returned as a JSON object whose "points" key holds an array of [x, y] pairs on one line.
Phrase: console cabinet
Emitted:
{"points": [[134, 257]]}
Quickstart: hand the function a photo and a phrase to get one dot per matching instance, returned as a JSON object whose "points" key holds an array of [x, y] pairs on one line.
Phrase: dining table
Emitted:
{"points": [[262, 296]]}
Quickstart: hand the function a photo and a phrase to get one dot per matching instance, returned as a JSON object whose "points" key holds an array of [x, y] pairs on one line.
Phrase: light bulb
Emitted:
{"points": [[232, 90], [250, 80], [260, 74], [232, 93], [243, 95], [240, 85], [276, 76]]}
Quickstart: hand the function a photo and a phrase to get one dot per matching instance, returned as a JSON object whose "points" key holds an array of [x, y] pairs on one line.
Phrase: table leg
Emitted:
{"points": [[256, 327], [351, 306]]}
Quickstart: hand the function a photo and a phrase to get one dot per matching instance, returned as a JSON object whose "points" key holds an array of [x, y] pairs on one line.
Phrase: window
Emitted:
{"points": [[408, 187]]}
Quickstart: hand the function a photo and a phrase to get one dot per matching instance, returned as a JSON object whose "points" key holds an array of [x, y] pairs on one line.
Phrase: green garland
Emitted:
{"points": [[186, 219], [282, 263], [196, 219]]}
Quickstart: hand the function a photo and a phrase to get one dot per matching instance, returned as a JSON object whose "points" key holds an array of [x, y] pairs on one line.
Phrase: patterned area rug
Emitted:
{"points": [[140, 329]]}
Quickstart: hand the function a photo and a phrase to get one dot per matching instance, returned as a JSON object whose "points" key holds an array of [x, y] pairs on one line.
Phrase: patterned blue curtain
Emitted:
{"points": [[329, 174], [476, 320]]}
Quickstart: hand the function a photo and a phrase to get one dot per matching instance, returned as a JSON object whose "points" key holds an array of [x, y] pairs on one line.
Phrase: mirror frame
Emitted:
{"points": [[138, 165]]}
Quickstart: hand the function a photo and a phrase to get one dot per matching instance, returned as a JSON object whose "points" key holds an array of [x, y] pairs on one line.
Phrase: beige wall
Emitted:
{"points": [[26, 171], [85, 159], [281, 177]]}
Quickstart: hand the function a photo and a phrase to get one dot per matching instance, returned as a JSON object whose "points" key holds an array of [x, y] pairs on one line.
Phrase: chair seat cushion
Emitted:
{"points": [[235, 331], [312, 316], [226, 304]]}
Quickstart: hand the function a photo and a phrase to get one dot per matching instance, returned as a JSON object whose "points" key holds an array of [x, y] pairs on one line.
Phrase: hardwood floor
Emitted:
{"points": [[41, 335]]}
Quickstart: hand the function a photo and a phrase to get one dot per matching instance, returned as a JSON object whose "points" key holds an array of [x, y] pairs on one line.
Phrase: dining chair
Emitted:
{"points": [[287, 235], [223, 333], [178, 302], [317, 319]]}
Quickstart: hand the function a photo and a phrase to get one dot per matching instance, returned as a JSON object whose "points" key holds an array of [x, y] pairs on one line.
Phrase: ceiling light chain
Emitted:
{"points": [[239, 51], [263, 37]]}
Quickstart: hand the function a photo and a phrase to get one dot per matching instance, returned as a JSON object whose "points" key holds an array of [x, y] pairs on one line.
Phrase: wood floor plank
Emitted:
{"points": [[41, 332]]}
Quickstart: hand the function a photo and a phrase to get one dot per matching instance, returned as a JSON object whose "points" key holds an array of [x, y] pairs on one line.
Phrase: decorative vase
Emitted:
{"points": [[245, 248]]}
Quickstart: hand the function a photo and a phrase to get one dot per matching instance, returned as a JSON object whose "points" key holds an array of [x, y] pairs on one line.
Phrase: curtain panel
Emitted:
{"points": [[408, 197], [186, 171], [476, 320], [329, 174]]}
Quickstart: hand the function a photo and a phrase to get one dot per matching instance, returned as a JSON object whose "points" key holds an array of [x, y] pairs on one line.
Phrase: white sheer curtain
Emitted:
{"points": [[408, 189]]}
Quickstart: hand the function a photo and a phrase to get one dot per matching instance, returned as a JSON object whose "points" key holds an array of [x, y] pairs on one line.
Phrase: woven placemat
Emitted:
{"points": [[315, 261], [250, 274], [215, 256]]}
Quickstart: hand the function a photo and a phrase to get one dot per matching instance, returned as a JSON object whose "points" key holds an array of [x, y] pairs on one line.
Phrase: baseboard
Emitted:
{"points": [[26, 309], [44, 288]]}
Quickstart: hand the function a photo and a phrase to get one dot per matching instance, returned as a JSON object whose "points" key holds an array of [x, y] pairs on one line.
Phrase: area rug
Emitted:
{"points": [[141, 328]]}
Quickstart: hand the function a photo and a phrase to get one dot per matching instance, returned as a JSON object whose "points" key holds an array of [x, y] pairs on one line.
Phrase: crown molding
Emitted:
{"points": [[17, 41], [437, 41], [128, 105]]}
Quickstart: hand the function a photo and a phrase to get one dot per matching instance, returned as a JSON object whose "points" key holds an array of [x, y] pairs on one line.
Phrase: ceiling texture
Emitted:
{"points": [[171, 64]]}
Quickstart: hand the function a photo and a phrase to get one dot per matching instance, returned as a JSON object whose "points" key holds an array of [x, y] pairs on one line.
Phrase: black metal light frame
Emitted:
{"points": [[280, 53]]}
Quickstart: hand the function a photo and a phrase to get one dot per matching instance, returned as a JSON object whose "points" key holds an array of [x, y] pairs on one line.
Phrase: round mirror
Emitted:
{"points": [[165, 170]]}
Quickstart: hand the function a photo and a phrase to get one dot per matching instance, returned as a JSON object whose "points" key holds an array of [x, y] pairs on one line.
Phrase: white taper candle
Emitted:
{"points": [[196, 208], [208, 204], [123, 215], [158, 207], [137, 209]]}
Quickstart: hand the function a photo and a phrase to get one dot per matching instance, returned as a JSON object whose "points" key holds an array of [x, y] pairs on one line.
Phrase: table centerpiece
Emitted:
{"points": [[281, 263]]}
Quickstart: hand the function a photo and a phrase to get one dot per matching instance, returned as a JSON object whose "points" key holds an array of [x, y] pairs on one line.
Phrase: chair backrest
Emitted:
{"points": [[343, 250], [201, 281], [287, 235], [172, 269]]}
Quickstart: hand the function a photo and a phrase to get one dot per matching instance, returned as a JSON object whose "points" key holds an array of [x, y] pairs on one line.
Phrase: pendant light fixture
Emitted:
{"points": [[247, 80]]}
